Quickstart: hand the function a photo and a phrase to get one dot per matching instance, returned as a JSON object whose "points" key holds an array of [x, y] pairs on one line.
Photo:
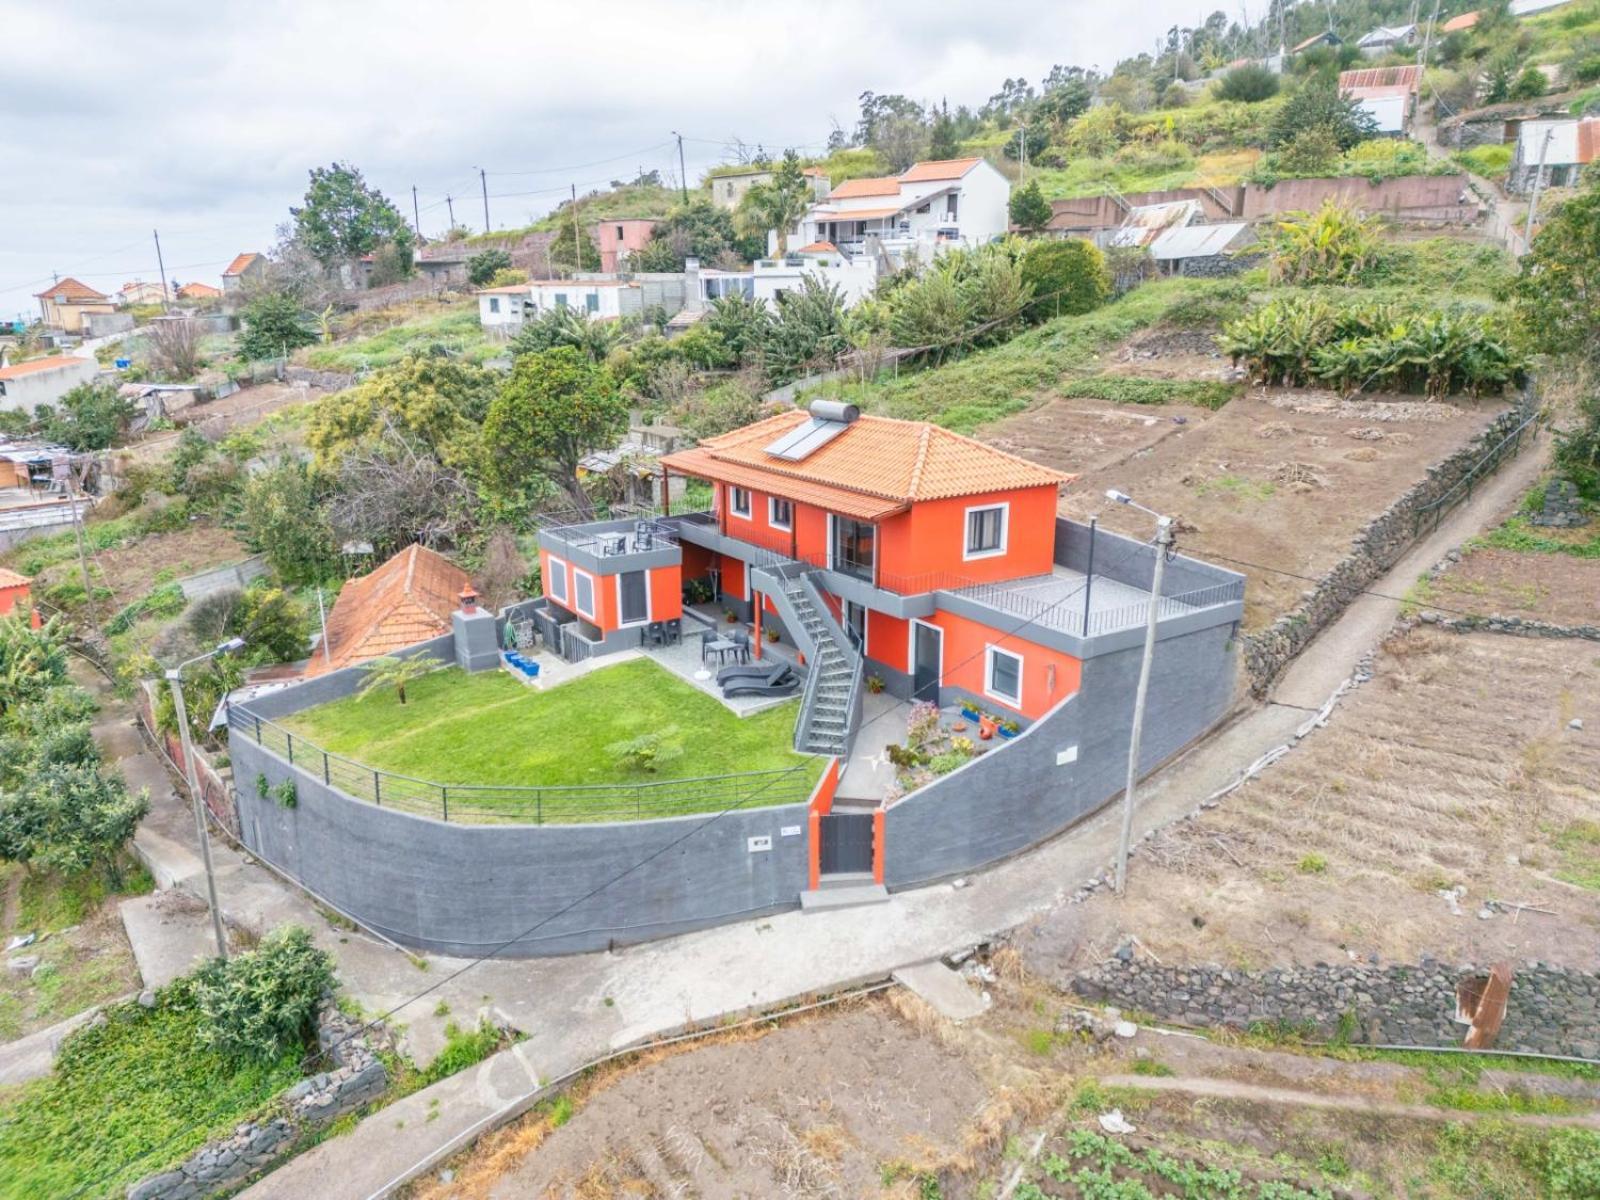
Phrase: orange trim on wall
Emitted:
{"points": [[878, 826], [821, 803]]}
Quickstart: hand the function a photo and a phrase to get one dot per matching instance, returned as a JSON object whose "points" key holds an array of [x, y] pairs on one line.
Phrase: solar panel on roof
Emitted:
{"points": [[805, 439]]}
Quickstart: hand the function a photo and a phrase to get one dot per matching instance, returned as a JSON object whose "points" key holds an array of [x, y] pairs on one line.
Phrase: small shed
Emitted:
{"points": [[1209, 250]]}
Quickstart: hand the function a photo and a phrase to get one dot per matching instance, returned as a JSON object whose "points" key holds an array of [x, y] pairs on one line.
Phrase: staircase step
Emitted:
{"points": [[844, 879], [844, 897]]}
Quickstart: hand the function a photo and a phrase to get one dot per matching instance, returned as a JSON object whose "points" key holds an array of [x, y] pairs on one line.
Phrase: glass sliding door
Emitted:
{"points": [[853, 546]]}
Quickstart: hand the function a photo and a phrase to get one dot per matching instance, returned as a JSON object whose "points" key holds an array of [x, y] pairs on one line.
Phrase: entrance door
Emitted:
{"points": [[846, 843], [927, 660], [855, 624]]}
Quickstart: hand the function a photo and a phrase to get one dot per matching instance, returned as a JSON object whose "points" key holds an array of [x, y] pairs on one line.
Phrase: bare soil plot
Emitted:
{"points": [[1281, 477], [1557, 588], [1454, 766], [132, 570]]}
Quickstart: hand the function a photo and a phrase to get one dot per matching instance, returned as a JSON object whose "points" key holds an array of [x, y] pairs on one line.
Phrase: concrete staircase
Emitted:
{"points": [[825, 726]]}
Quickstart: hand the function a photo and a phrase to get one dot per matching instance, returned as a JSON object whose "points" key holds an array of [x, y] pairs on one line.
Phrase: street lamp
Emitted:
{"points": [[1163, 542], [175, 682]]}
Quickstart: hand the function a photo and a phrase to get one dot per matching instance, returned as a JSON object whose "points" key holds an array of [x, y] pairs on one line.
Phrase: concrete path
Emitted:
{"points": [[951, 996], [31, 1057], [580, 1008]]}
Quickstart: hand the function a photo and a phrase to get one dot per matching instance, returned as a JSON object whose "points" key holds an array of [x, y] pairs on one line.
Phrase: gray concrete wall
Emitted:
{"points": [[1064, 766]]}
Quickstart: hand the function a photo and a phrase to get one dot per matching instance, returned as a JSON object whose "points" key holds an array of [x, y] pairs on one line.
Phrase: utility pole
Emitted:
{"points": [[450, 207], [577, 246], [1427, 38], [416, 215], [683, 171], [175, 682], [75, 499], [322, 616], [483, 178], [1163, 542], [1533, 198], [166, 296]]}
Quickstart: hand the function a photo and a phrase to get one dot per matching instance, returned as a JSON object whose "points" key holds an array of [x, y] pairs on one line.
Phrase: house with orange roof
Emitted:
{"points": [[407, 600], [246, 269], [1467, 20], [24, 386], [922, 210], [199, 291], [728, 188], [64, 304], [1387, 94], [15, 597]]}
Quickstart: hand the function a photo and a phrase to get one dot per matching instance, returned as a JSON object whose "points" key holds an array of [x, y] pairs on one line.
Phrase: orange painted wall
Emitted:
{"points": [[931, 540], [665, 584], [16, 600], [887, 639], [732, 577]]}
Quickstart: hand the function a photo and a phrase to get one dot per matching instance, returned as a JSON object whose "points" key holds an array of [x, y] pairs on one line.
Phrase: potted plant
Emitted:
{"points": [[772, 635], [1010, 728], [987, 726], [731, 616], [874, 684], [969, 710]]}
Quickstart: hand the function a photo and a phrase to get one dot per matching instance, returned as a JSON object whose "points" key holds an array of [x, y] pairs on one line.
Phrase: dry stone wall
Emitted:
{"points": [[1378, 546], [1552, 1010], [356, 1076]]}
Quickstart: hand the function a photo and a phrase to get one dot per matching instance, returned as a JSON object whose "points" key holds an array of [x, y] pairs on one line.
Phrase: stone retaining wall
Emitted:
{"points": [[1552, 1010], [357, 1076], [1380, 544], [1515, 626]]}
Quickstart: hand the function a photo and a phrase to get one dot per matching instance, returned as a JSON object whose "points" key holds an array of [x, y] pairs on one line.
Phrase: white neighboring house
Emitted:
{"points": [[27, 385], [1386, 94], [918, 213], [1564, 146], [505, 308], [854, 277], [1386, 38]]}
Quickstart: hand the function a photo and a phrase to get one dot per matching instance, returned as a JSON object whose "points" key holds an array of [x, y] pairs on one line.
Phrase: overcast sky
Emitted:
{"points": [[201, 119]]}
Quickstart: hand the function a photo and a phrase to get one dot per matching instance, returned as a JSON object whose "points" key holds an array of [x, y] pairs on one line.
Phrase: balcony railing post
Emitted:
{"points": [[326, 776], [377, 791], [288, 742], [444, 799]]}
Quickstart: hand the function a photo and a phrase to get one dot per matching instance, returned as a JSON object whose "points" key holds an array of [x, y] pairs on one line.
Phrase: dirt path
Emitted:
{"points": [[1506, 213], [1232, 1089]]}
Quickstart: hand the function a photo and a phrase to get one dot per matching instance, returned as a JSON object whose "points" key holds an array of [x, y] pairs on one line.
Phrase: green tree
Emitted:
{"points": [[1030, 211], [69, 817], [778, 203], [943, 141], [595, 340], [1317, 104], [32, 661], [274, 625], [281, 515], [1035, 137], [1334, 245], [1556, 297], [1249, 84], [573, 248], [1067, 101], [435, 403], [344, 218], [1066, 276], [702, 230], [387, 672], [1529, 85], [808, 331], [481, 267], [261, 1004], [743, 323], [555, 408], [91, 416], [273, 325]]}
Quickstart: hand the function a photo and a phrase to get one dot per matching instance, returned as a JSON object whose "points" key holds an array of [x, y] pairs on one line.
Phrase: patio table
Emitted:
{"points": [[720, 646]]}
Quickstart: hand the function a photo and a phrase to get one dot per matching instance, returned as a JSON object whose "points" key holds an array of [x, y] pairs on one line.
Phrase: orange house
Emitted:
{"points": [[15, 597]]}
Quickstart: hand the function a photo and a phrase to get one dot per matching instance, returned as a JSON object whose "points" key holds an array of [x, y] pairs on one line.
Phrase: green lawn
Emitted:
{"points": [[456, 328], [490, 729]]}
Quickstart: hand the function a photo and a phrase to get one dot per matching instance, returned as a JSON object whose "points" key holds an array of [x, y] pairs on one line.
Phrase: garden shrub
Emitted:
{"points": [[258, 1004], [1065, 277]]}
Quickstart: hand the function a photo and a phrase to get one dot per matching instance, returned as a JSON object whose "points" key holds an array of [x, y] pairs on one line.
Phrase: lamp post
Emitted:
{"points": [[175, 682], [1163, 541]]}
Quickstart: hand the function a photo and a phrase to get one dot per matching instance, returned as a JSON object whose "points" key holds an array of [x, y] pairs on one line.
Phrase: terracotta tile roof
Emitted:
{"points": [[53, 363], [818, 248], [505, 290], [876, 467], [10, 579], [1409, 77], [1314, 39], [405, 601], [884, 185], [1588, 141], [816, 171], [199, 291], [72, 290], [241, 264], [943, 168], [1464, 21]]}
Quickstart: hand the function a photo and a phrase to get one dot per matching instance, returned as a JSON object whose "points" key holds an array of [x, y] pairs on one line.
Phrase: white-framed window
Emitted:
{"points": [[556, 585], [986, 530], [739, 502], [583, 592], [494, 304], [1002, 675], [780, 513], [633, 598]]}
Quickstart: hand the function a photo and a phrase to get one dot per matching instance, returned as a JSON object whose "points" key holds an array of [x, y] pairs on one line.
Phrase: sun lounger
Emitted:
{"points": [[785, 684], [768, 670]]}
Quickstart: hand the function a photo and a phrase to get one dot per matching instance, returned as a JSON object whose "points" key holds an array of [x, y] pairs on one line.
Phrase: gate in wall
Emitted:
{"points": [[846, 843]]}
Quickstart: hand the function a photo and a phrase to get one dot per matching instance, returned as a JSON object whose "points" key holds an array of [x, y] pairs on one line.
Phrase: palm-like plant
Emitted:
{"points": [[778, 203], [396, 673], [1335, 244]]}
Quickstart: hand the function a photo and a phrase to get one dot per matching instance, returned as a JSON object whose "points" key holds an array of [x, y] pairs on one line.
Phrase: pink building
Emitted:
{"points": [[618, 239]]}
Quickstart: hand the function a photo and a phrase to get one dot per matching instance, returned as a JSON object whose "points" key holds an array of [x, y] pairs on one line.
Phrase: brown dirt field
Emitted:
{"points": [[1558, 588], [1454, 765], [1282, 477], [131, 570]]}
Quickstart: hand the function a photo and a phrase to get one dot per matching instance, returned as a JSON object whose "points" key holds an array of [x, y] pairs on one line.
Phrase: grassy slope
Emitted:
{"points": [[457, 328], [490, 729]]}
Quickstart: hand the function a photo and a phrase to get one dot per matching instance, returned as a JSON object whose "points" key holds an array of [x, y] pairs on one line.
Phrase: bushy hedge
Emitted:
{"points": [[259, 1004], [1357, 345]]}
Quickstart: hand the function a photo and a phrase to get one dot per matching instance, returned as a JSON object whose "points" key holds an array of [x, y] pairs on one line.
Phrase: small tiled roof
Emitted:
{"points": [[942, 168], [505, 290], [405, 601], [72, 290], [10, 579], [882, 185], [876, 467], [816, 171], [1408, 77], [818, 248], [54, 363], [1464, 21], [241, 264], [199, 291]]}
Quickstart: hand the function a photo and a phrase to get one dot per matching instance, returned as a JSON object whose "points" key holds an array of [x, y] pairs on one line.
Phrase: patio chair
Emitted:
{"points": [[673, 630], [785, 684], [762, 670], [741, 645], [706, 638]]}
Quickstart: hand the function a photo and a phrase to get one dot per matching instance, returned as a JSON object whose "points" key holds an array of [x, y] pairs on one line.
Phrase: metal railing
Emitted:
{"points": [[1507, 447], [645, 536], [480, 804], [1066, 614]]}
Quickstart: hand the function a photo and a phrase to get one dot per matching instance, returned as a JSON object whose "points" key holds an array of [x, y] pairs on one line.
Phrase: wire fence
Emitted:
{"points": [[479, 804], [1507, 447]]}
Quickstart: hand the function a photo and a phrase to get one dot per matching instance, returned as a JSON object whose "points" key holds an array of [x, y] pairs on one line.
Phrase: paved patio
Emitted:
{"points": [[870, 774], [683, 660]]}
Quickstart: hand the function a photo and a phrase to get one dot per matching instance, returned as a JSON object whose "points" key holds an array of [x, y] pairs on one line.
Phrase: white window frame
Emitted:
{"points": [[558, 570], [649, 605], [593, 593], [772, 514], [968, 554], [733, 503], [989, 653]]}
